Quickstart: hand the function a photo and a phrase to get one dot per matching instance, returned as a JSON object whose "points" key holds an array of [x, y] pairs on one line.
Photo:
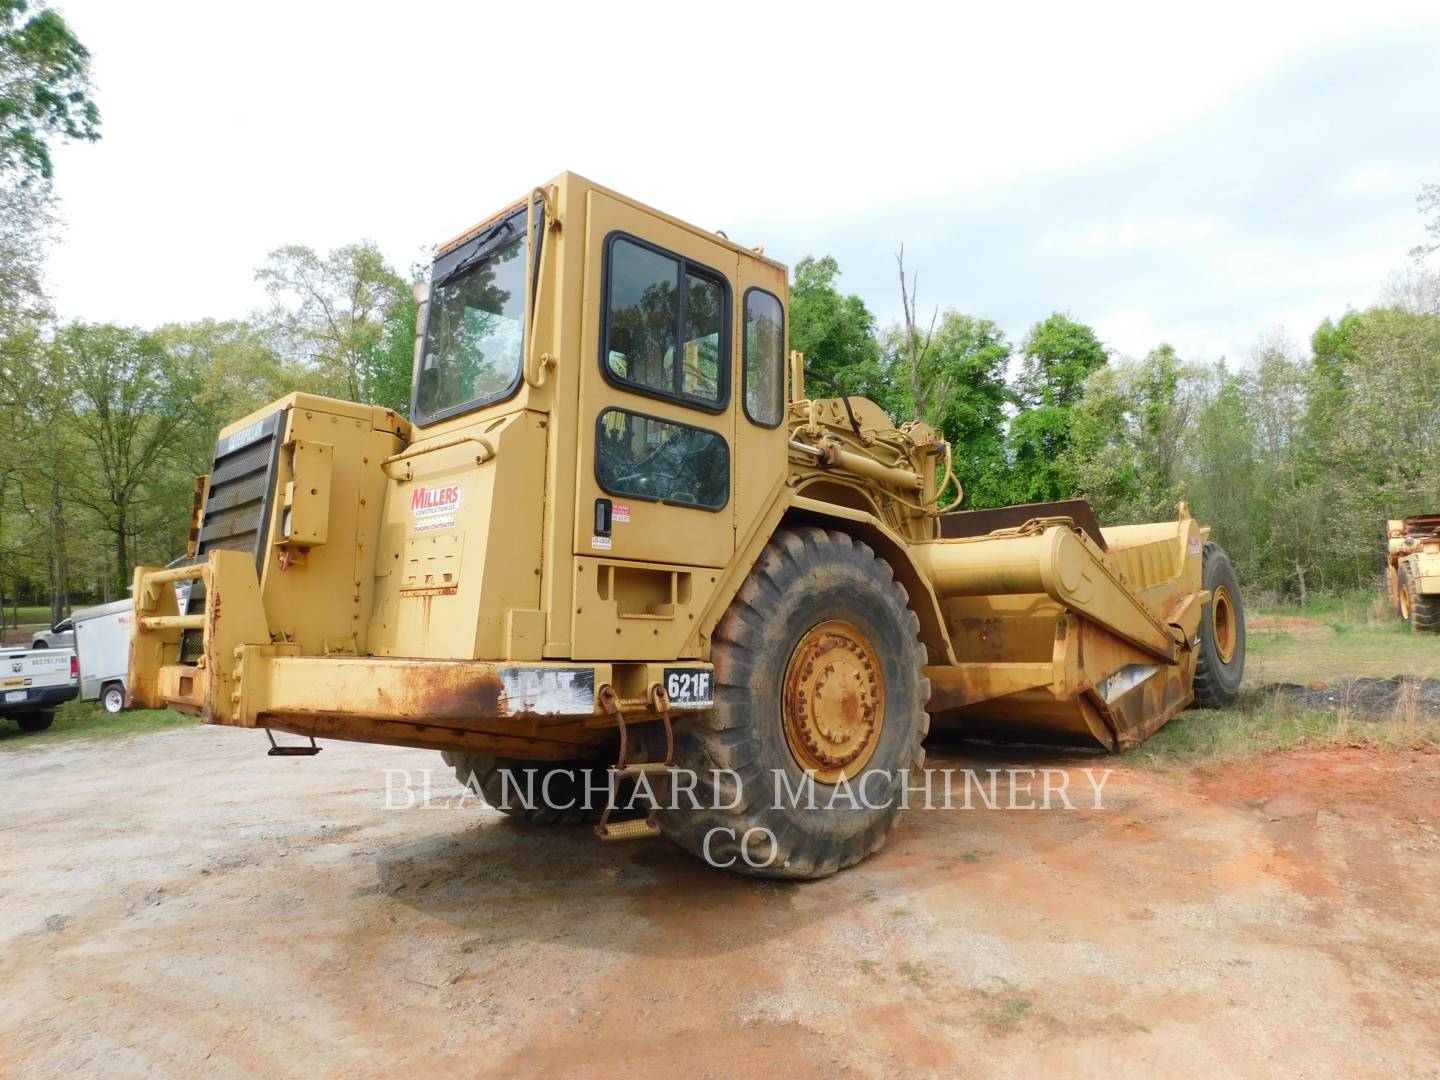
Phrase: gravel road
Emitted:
{"points": [[179, 903]]}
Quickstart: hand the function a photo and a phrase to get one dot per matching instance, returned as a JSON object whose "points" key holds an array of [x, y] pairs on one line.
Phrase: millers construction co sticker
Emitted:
{"points": [[1194, 545], [620, 513], [435, 507]]}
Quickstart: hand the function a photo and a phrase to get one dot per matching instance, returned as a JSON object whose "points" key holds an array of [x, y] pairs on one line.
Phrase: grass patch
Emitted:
{"points": [[86, 720], [1353, 635], [1004, 1008], [28, 614], [1270, 724]]}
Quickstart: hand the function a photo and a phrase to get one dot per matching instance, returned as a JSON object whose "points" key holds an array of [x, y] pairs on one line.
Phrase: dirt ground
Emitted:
{"points": [[178, 902]]}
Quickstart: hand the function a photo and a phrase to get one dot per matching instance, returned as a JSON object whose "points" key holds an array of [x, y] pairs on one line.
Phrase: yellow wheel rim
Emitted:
{"points": [[834, 703], [1222, 619], [1405, 604]]}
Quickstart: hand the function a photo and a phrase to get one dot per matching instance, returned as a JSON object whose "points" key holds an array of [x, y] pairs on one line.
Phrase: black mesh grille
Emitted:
{"points": [[237, 507], [241, 481]]}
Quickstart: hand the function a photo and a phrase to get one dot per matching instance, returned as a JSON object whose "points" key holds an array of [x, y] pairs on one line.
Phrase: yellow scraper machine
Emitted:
{"points": [[618, 543]]}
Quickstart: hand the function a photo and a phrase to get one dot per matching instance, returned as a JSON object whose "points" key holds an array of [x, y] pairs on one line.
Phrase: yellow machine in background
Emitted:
{"points": [[1412, 569], [617, 526]]}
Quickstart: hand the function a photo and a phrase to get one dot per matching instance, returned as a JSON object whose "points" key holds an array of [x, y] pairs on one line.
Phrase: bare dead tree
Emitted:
{"points": [[916, 349]]}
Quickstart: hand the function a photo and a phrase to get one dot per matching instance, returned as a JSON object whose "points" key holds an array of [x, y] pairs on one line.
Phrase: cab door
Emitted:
{"points": [[656, 469]]}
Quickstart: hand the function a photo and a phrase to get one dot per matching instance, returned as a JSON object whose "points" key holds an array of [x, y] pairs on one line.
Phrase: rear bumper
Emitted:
{"points": [[542, 709], [534, 710], [41, 697]]}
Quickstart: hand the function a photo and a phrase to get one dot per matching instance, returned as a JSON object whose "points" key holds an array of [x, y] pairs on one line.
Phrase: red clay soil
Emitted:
{"points": [[178, 903]]}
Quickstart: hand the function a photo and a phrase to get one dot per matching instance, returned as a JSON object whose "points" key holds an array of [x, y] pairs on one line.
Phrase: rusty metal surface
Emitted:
{"points": [[979, 522], [834, 702]]}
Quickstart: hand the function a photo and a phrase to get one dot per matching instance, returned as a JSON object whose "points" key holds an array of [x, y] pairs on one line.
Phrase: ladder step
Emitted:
{"points": [[639, 829], [649, 768]]}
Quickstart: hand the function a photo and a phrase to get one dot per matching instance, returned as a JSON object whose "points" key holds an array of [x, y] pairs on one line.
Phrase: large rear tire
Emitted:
{"points": [[1220, 666], [819, 672], [525, 789]]}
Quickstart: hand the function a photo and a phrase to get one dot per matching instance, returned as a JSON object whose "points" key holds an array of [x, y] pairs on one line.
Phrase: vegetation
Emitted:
{"points": [[86, 720], [1296, 457]]}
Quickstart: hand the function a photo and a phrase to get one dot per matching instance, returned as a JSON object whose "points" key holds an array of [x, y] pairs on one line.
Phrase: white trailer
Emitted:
{"points": [[102, 642]]}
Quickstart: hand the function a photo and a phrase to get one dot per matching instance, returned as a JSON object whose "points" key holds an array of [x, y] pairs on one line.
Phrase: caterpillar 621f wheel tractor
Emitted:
{"points": [[1412, 570], [618, 545]]}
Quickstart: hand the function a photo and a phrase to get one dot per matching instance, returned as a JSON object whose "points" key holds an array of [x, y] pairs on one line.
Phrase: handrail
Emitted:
{"points": [[534, 373], [412, 452], [172, 622], [176, 573]]}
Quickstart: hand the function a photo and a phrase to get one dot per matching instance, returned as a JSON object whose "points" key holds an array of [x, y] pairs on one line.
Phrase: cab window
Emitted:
{"points": [[646, 458], [665, 324], [764, 356]]}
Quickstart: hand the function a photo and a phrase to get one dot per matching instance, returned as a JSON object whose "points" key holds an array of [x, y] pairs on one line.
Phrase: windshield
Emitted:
{"points": [[472, 351]]}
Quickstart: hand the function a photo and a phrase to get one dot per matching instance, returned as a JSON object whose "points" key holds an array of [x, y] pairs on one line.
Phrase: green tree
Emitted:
{"points": [[1292, 535], [963, 396], [1059, 356], [235, 369], [26, 220], [835, 332], [131, 408], [44, 88], [328, 313], [1130, 433], [1222, 467]]}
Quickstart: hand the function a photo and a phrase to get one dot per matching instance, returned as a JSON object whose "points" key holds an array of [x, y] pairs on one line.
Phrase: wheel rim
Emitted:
{"points": [[1222, 617], [113, 701], [834, 704], [1404, 604]]}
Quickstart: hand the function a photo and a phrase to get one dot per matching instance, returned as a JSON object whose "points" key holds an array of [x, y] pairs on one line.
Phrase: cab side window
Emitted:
{"points": [[665, 325], [764, 358]]}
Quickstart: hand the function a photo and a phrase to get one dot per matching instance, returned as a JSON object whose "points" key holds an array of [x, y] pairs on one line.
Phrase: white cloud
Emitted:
{"points": [[1133, 332], [1115, 237], [231, 129], [1383, 180]]}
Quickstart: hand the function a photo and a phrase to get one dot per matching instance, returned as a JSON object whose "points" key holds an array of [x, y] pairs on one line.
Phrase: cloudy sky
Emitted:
{"points": [[1193, 174]]}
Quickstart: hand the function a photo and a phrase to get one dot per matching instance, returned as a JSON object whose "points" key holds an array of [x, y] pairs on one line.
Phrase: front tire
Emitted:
{"points": [[1220, 666], [819, 673]]}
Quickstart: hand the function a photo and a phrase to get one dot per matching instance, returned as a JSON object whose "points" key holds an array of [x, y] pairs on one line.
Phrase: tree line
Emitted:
{"points": [[1295, 453]]}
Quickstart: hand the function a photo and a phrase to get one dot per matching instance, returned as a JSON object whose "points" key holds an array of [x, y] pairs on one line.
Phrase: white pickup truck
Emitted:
{"points": [[33, 682]]}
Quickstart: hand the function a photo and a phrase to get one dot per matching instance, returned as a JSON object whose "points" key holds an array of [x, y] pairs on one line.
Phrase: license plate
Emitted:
{"points": [[690, 688], [15, 695]]}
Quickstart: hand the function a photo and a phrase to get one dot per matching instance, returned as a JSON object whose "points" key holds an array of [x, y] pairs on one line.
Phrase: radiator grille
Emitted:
{"points": [[237, 508]]}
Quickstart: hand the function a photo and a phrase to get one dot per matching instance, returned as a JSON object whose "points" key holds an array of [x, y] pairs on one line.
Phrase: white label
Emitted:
{"points": [[548, 691], [434, 507], [620, 512], [600, 543], [1194, 545], [244, 437]]}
